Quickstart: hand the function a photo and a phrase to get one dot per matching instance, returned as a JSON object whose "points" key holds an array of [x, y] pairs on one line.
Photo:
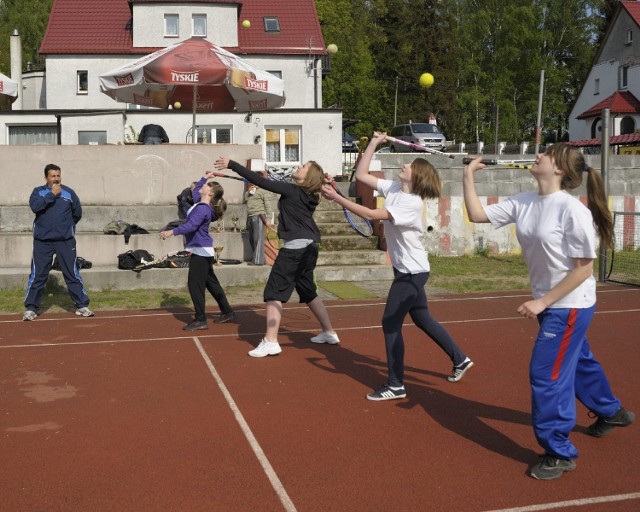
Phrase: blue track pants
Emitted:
{"points": [[562, 369], [65, 251]]}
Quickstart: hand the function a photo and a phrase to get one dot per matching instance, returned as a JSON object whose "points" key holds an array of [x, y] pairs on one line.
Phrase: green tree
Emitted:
{"points": [[30, 18], [351, 83]]}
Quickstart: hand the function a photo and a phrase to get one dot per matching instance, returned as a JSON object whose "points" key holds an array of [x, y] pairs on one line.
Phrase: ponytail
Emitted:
{"points": [[571, 161], [218, 204], [597, 203]]}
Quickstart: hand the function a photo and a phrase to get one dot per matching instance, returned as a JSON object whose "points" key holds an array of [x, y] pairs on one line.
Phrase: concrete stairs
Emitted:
{"points": [[344, 254]]}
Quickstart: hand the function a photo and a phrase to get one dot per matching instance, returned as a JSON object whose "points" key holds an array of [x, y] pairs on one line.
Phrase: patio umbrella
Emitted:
{"points": [[8, 90], [194, 75]]}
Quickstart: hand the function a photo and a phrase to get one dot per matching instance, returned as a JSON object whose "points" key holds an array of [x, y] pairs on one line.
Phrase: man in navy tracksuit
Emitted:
{"points": [[57, 210]]}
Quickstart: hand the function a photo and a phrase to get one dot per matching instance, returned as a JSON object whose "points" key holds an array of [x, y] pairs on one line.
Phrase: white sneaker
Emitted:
{"points": [[84, 312], [29, 315], [266, 348], [326, 337]]}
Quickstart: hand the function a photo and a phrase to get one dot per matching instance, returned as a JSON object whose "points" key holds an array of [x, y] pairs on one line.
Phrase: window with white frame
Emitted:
{"points": [[624, 77], [199, 25], [276, 73], [629, 39], [211, 134], [171, 25], [33, 135], [82, 81], [596, 86], [282, 145]]}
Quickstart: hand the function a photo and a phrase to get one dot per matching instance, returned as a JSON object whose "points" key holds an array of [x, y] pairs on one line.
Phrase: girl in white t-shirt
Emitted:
{"points": [[402, 216], [558, 239]]}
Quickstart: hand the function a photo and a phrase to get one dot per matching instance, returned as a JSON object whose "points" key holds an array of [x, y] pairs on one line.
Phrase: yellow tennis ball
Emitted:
{"points": [[177, 105], [426, 80], [246, 23]]}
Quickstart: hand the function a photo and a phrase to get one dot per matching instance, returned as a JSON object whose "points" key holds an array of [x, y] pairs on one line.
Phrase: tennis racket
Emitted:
{"points": [[272, 239], [418, 147], [516, 164], [360, 224]]}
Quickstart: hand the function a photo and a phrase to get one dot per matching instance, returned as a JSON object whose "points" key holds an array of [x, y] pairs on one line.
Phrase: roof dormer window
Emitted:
{"points": [[271, 24]]}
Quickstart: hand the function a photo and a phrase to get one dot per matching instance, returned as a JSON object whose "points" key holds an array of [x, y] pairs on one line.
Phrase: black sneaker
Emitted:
{"points": [[604, 426], [223, 318], [458, 371], [196, 326], [551, 467], [386, 393]]}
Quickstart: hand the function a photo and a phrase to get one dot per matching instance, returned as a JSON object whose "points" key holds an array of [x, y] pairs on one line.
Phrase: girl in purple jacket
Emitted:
{"points": [[208, 205]]}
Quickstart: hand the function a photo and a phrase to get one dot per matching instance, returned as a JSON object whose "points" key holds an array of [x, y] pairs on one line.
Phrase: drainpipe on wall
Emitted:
{"points": [[16, 66]]}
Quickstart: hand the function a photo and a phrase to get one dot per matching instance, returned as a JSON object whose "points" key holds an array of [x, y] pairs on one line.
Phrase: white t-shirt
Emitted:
{"points": [[404, 231], [552, 230]]}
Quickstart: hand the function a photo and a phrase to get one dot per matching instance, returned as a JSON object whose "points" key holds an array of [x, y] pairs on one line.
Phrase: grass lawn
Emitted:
{"points": [[462, 274]]}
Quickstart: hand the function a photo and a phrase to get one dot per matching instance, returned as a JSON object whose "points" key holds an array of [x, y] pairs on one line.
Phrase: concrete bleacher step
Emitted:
{"points": [[344, 254], [111, 278]]}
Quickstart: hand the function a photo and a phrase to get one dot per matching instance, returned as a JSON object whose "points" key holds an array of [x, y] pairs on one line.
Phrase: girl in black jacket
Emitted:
{"points": [[296, 261]]}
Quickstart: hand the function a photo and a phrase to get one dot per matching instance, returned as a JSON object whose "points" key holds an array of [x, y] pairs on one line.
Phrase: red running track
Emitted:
{"points": [[127, 412]]}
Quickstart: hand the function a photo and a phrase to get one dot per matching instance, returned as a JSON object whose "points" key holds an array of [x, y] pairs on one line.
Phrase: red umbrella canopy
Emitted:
{"points": [[218, 80]]}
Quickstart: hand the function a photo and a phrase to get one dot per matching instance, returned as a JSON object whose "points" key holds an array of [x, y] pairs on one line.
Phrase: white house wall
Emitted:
{"points": [[62, 80], [321, 132], [607, 73], [148, 24], [297, 74]]}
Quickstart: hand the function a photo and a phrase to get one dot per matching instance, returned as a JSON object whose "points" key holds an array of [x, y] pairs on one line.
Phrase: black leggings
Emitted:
{"points": [[407, 295], [201, 277]]}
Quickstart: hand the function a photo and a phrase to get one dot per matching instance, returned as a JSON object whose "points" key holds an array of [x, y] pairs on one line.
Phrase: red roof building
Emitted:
{"points": [[613, 82], [620, 102], [106, 26]]}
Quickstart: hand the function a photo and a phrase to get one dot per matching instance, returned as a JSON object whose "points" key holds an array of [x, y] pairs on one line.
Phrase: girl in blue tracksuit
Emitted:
{"points": [[208, 206], [558, 239]]}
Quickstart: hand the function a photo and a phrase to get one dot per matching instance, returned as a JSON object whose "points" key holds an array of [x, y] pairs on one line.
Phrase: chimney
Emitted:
{"points": [[16, 66]]}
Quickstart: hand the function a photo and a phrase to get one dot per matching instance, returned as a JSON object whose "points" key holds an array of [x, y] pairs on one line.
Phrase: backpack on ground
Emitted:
{"points": [[131, 259]]}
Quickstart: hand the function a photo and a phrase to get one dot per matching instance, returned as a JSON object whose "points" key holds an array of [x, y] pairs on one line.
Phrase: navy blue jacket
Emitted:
{"points": [[56, 216]]}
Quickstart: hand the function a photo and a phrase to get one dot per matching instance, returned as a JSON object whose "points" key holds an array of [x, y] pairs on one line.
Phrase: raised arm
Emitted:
{"points": [[278, 187], [362, 168], [328, 192], [471, 200]]}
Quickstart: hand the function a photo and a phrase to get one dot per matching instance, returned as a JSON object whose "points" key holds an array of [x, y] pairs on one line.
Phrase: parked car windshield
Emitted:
{"points": [[424, 128]]}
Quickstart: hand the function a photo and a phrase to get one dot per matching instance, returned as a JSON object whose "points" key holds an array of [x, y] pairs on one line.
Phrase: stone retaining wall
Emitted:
{"points": [[139, 184]]}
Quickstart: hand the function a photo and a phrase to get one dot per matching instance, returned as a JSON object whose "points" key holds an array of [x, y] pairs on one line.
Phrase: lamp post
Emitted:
{"points": [[332, 49]]}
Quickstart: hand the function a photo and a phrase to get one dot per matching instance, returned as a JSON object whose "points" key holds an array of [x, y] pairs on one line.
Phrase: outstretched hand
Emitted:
{"points": [[221, 163]]}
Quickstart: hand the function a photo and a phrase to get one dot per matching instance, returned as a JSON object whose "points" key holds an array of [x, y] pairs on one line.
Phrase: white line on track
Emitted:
{"points": [[283, 331], [246, 430], [261, 307], [573, 503]]}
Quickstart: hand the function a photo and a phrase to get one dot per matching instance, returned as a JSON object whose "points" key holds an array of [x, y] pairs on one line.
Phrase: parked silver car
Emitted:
{"points": [[423, 134]]}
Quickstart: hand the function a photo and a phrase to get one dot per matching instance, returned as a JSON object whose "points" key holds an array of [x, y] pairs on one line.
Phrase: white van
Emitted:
{"points": [[423, 134]]}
